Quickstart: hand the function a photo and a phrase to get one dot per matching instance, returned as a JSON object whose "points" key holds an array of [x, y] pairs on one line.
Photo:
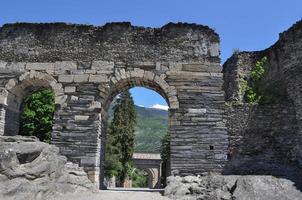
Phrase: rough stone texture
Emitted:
{"points": [[87, 66], [30, 169], [111, 42], [267, 139], [218, 187], [263, 141]]}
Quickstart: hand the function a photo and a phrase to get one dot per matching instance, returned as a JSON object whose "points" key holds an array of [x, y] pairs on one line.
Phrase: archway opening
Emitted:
{"points": [[150, 129], [140, 178], [29, 105]]}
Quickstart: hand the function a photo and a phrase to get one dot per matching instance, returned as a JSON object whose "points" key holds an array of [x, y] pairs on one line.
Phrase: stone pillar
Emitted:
{"points": [[3, 103], [2, 119], [77, 125]]}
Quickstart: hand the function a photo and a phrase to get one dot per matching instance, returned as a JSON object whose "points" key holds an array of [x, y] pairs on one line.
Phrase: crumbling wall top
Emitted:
{"points": [[119, 41]]}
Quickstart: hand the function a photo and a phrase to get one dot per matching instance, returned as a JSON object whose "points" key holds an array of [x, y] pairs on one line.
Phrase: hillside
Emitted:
{"points": [[151, 126]]}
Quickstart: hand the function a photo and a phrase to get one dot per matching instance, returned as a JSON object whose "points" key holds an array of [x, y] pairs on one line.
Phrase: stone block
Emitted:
{"points": [[74, 98], [33, 74], [102, 65], [132, 74], [60, 99], [90, 71], [83, 65], [95, 105], [66, 78], [57, 88], [174, 104], [128, 74], [213, 74], [113, 80], [195, 67], [39, 66], [220, 156], [214, 49], [157, 66], [3, 65], [11, 84], [171, 91], [3, 96], [98, 78], [70, 89], [80, 78], [139, 72], [164, 67], [93, 176], [149, 75], [162, 83], [61, 67], [145, 65], [81, 117], [122, 73], [12, 67], [197, 111], [104, 71], [77, 71], [175, 66]]}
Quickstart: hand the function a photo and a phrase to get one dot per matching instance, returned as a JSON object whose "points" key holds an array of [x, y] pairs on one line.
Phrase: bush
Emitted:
{"points": [[139, 178]]}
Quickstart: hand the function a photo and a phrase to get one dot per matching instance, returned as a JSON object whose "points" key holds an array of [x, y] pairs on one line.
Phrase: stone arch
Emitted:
{"points": [[153, 178], [122, 80], [16, 89], [126, 79]]}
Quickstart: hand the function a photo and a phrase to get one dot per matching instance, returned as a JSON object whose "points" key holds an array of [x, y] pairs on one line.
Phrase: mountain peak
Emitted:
{"points": [[160, 107]]}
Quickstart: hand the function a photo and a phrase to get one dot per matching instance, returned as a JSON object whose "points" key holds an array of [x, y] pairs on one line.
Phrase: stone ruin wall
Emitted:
{"points": [[267, 139], [87, 66]]}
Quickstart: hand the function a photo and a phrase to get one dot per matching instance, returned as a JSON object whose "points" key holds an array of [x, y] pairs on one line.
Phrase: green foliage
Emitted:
{"points": [[259, 70], [253, 91], [165, 148], [120, 138], [139, 178], [243, 86], [37, 115], [113, 166], [149, 132], [151, 126], [251, 96]]}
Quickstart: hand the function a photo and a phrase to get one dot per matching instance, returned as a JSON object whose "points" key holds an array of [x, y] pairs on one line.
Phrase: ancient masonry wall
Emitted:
{"points": [[267, 139], [87, 66], [263, 140]]}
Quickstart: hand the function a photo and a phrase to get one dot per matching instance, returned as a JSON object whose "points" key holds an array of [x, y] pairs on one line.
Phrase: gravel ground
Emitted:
{"points": [[113, 195]]}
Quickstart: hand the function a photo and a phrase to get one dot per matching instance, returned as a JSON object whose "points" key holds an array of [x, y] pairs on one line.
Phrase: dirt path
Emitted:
{"points": [[114, 195]]}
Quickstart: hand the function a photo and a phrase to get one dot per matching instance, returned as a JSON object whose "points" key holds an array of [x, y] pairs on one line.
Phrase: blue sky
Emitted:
{"points": [[245, 25]]}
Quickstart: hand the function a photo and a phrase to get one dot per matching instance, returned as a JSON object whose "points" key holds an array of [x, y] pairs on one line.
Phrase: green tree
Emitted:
{"points": [[165, 156], [165, 148], [120, 138], [37, 115], [139, 178]]}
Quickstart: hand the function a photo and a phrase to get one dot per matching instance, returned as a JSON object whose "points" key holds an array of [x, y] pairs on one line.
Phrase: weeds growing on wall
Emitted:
{"points": [[256, 90], [253, 91]]}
